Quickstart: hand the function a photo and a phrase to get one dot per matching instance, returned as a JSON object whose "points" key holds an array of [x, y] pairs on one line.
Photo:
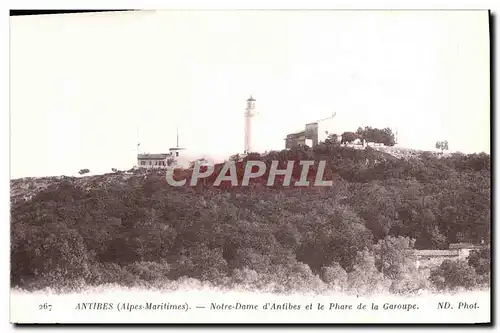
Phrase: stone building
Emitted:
{"points": [[310, 136], [434, 258], [295, 139], [177, 157], [152, 161]]}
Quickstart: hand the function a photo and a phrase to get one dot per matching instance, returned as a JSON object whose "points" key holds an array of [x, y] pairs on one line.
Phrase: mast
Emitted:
{"points": [[138, 142]]}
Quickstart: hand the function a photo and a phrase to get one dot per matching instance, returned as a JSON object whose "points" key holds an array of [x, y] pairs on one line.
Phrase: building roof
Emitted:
{"points": [[436, 253], [161, 156], [461, 246], [251, 99], [466, 246], [295, 135]]}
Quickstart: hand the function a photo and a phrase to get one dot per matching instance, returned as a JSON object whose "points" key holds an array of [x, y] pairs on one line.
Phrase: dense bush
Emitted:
{"points": [[335, 275], [481, 262], [454, 274], [357, 236], [375, 135], [365, 278]]}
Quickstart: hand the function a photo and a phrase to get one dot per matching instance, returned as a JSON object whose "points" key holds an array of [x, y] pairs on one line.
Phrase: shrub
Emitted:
{"points": [[296, 277], [335, 275], [244, 276], [201, 263], [105, 273], [480, 261], [394, 256], [453, 274], [365, 279], [53, 252], [149, 271]]}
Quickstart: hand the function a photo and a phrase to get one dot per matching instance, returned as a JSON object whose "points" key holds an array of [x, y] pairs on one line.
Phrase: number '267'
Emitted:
{"points": [[45, 306]]}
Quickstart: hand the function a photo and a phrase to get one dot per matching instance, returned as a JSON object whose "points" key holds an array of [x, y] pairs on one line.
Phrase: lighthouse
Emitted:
{"points": [[249, 113]]}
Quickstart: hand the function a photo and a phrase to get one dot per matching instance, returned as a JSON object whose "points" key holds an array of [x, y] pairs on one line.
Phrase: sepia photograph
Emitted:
{"points": [[250, 166]]}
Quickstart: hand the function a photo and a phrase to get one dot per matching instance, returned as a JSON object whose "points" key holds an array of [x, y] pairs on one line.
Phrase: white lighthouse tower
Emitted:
{"points": [[249, 113]]}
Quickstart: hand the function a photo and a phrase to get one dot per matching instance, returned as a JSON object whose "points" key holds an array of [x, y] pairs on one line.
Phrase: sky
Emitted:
{"points": [[86, 88]]}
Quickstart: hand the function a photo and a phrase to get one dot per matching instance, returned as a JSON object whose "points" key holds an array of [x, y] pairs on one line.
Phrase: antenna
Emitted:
{"points": [[177, 137], [332, 116], [138, 142]]}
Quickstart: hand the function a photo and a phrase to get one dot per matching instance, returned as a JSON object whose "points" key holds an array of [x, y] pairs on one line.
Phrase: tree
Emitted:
{"points": [[335, 275], [375, 135], [481, 261], [361, 134], [331, 139], [365, 278], [235, 158], [83, 171], [442, 145], [395, 258], [348, 137], [201, 262], [388, 137], [454, 274], [53, 251], [337, 239]]}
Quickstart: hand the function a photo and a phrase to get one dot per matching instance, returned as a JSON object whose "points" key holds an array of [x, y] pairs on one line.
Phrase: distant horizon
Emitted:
{"points": [[218, 161]]}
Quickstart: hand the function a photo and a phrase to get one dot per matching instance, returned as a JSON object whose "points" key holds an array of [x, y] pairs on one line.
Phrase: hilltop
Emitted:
{"points": [[133, 228]]}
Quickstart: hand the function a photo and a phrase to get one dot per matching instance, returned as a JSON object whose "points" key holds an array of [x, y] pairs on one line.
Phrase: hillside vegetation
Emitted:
{"points": [[357, 236]]}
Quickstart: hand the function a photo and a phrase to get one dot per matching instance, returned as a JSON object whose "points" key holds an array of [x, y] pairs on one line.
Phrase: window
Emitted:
{"points": [[177, 153], [143, 162]]}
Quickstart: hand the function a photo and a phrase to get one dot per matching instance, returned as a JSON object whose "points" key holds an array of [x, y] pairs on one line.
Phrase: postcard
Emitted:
{"points": [[250, 166]]}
